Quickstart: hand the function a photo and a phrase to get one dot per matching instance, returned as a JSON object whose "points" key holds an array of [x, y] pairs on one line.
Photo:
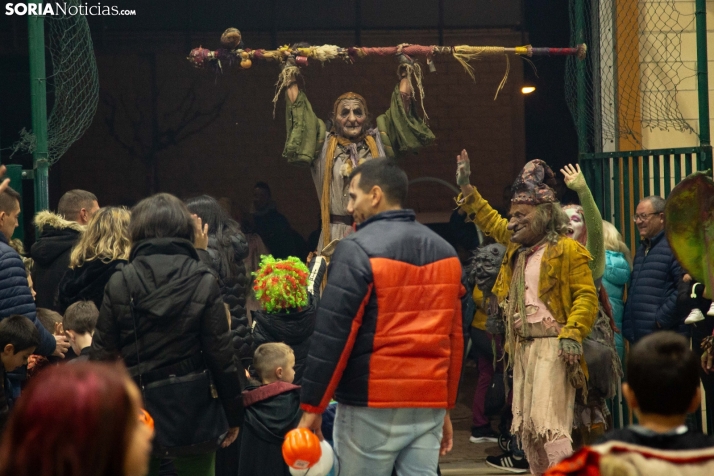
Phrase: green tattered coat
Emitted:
{"points": [[398, 132]]}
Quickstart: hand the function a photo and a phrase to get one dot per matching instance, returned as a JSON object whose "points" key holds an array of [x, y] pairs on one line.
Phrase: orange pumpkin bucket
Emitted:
{"points": [[301, 448]]}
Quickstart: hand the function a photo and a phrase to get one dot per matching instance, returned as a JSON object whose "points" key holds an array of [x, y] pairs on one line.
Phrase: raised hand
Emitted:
{"points": [[573, 176], [5, 183], [200, 238], [463, 169]]}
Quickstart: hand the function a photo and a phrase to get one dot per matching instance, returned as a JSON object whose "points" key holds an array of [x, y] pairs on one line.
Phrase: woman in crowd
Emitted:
{"points": [[227, 248], [617, 275], [163, 315], [81, 420], [225, 253], [604, 367], [103, 246]]}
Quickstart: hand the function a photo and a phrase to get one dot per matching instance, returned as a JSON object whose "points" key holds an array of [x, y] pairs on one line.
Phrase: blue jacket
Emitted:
{"points": [[15, 295], [652, 298], [617, 274]]}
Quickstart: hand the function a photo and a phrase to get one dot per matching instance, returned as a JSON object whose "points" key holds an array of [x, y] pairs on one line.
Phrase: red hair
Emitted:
{"points": [[71, 420]]}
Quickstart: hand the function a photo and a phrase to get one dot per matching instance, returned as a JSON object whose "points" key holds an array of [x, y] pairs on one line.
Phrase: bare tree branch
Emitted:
{"points": [[152, 130]]}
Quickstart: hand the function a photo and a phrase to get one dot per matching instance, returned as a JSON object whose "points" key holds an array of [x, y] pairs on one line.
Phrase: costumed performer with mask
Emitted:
{"points": [[604, 367], [352, 138], [546, 278]]}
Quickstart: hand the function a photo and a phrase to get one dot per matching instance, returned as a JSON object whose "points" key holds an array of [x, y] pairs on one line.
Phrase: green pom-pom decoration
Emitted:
{"points": [[281, 284]]}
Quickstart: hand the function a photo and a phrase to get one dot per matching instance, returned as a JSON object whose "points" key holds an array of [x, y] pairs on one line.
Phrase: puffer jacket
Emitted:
{"points": [[16, 297], [179, 314], [233, 281], [51, 254], [389, 328], [85, 283], [652, 297], [617, 274], [292, 328]]}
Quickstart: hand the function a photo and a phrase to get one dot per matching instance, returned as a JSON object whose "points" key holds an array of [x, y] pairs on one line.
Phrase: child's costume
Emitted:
{"points": [[288, 293], [270, 412], [679, 439], [616, 458]]}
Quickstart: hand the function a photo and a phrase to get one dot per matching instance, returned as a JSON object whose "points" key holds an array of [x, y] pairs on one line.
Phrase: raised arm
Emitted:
{"points": [[305, 131], [476, 207], [400, 128], [593, 220]]}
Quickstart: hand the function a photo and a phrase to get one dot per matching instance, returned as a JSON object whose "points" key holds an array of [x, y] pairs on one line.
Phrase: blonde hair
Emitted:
{"points": [[268, 357], [106, 238], [614, 241]]}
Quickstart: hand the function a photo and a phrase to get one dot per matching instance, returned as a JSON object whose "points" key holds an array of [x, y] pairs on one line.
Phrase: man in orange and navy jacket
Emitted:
{"points": [[388, 341]]}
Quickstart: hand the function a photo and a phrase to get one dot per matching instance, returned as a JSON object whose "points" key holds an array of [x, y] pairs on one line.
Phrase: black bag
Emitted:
{"points": [[188, 416], [495, 395]]}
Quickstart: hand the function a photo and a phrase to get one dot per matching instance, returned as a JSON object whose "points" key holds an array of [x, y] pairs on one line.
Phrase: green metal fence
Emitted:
{"points": [[619, 180]]}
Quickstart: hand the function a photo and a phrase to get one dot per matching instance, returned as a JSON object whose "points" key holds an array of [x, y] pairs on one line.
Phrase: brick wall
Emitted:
{"points": [[244, 144]]}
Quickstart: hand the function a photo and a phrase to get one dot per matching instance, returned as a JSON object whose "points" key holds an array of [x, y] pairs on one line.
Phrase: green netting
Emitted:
{"points": [[634, 66], [72, 83]]}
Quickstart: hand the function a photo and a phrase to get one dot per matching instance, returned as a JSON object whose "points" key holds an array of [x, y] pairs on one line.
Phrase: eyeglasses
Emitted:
{"points": [[643, 216]]}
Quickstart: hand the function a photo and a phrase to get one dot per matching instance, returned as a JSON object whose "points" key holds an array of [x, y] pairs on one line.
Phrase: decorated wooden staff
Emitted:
{"points": [[234, 51]]}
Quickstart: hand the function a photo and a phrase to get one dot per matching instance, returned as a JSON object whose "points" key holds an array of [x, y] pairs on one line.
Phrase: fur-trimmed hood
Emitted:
{"points": [[57, 236], [48, 219]]}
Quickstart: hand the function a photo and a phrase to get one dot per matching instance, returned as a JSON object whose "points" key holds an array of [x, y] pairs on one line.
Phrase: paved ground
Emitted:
{"points": [[468, 458]]}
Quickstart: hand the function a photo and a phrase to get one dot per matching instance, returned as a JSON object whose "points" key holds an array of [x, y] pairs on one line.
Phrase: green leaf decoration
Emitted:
{"points": [[689, 225]]}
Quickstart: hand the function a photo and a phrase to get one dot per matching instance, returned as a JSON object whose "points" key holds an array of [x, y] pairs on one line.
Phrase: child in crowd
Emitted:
{"points": [[79, 322], [288, 293], [18, 340], [52, 321], [271, 410], [662, 388]]}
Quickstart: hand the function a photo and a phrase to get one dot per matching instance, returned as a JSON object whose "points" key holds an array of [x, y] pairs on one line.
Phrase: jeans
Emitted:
{"points": [[198, 465], [376, 440]]}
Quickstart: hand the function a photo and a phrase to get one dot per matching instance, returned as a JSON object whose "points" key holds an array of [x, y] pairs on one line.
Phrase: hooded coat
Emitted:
{"points": [[292, 328], [617, 275], [179, 314], [85, 283], [270, 412], [233, 281], [51, 255]]}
